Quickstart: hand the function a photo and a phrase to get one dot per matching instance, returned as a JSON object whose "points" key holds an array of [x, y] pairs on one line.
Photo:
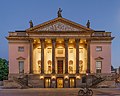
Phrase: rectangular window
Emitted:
{"points": [[98, 48], [21, 66], [21, 49], [98, 66], [60, 51]]}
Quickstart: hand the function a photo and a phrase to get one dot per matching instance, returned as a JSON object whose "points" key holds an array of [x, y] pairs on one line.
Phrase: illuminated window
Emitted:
{"points": [[60, 51], [21, 66], [98, 66], [21, 49], [71, 50], [99, 48]]}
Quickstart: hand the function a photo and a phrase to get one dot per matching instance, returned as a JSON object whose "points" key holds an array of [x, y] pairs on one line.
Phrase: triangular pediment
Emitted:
{"points": [[59, 24], [20, 58], [99, 58]]}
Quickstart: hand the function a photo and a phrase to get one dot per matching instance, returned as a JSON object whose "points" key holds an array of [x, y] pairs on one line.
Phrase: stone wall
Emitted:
{"points": [[1, 83], [11, 84]]}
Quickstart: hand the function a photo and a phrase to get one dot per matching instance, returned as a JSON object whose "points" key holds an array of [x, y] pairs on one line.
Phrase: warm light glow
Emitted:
{"points": [[48, 41], [42, 77], [53, 77], [87, 74], [77, 77], [60, 41], [66, 77], [71, 41]]}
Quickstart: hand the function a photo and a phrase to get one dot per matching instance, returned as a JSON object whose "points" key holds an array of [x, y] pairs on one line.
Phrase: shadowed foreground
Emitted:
{"points": [[57, 92]]}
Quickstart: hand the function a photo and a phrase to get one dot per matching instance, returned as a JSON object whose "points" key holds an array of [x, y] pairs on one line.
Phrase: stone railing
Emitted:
{"points": [[18, 34], [101, 34]]}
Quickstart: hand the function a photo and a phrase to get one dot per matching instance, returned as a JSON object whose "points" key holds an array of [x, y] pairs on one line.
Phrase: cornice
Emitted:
{"points": [[102, 38], [17, 38]]}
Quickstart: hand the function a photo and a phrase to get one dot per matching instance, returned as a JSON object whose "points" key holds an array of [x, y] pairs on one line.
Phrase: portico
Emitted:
{"points": [[58, 54]]}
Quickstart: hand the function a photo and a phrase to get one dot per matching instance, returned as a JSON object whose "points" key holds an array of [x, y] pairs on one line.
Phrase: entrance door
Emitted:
{"points": [[72, 82], [59, 82], [60, 66], [47, 82]]}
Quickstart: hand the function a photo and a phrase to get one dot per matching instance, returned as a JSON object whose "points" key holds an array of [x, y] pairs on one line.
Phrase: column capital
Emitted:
{"points": [[88, 40], [31, 40], [66, 40], [77, 40], [53, 40], [42, 39]]}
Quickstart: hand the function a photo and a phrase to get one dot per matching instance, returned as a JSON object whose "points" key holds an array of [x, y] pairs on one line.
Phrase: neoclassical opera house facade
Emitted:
{"points": [[58, 53]]}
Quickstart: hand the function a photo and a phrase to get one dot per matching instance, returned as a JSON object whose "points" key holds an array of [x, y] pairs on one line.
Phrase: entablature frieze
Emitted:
{"points": [[100, 41], [60, 32], [102, 38], [61, 37], [17, 38]]}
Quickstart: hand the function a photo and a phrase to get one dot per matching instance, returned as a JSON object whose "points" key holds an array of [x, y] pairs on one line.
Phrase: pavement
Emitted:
{"points": [[57, 92]]}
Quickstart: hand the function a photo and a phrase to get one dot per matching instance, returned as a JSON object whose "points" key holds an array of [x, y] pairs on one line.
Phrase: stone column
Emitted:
{"points": [[88, 56], [31, 56], [77, 54], [53, 55], [42, 54], [66, 55]]}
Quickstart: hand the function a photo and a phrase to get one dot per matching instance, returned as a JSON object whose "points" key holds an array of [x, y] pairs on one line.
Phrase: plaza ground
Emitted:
{"points": [[57, 92]]}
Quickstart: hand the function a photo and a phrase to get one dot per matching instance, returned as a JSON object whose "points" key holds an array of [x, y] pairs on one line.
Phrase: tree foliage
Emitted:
{"points": [[3, 69]]}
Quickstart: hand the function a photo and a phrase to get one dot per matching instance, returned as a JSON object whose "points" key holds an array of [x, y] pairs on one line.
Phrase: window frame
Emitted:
{"points": [[21, 49], [99, 69], [19, 63], [98, 48]]}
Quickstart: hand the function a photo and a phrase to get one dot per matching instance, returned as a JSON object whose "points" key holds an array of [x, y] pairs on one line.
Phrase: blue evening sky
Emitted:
{"points": [[103, 15]]}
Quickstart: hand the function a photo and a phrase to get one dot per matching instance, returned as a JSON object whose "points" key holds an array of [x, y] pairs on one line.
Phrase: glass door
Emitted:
{"points": [[59, 82], [47, 82], [72, 82]]}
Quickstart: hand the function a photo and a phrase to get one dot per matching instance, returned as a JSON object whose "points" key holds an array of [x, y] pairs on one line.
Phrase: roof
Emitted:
{"points": [[59, 24]]}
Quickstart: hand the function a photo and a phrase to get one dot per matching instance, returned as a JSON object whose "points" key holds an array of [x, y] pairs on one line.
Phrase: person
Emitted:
{"points": [[59, 12]]}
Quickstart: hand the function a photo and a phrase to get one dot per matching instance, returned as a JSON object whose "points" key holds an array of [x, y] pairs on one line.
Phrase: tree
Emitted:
{"points": [[3, 69]]}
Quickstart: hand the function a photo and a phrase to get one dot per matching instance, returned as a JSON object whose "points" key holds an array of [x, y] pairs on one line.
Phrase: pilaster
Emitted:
{"points": [[31, 55], [53, 55], [77, 54], [42, 54], [66, 54]]}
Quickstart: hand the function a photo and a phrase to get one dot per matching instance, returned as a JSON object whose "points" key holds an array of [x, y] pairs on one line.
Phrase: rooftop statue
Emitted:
{"points": [[31, 23], [88, 24], [59, 12]]}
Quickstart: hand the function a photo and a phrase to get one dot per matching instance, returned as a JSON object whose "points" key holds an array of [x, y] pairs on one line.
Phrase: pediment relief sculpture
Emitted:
{"points": [[59, 26]]}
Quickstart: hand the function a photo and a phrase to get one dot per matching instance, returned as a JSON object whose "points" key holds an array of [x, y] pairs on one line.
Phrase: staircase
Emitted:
{"points": [[22, 81], [96, 80]]}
